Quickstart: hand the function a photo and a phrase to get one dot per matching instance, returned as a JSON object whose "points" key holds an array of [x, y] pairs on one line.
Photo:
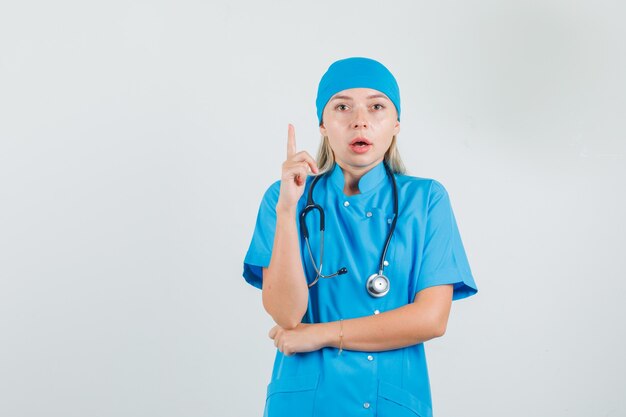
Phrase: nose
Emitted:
{"points": [[360, 118]]}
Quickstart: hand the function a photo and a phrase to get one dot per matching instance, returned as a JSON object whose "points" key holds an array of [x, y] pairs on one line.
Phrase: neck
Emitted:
{"points": [[351, 184]]}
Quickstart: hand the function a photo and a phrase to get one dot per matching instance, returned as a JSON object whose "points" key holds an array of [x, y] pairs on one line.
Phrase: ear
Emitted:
{"points": [[323, 129], [396, 128]]}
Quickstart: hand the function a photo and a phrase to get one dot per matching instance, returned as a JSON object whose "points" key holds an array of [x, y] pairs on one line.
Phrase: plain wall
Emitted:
{"points": [[137, 139]]}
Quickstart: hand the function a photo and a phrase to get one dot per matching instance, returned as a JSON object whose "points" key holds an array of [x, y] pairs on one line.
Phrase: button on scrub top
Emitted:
{"points": [[425, 250]]}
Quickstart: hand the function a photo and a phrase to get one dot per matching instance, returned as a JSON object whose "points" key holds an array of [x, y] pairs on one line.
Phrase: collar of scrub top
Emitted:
{"points": [[368, 181]]}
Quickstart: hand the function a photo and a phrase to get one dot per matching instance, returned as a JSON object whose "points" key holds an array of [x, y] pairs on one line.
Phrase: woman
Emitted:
{"points": [[354, 303]]}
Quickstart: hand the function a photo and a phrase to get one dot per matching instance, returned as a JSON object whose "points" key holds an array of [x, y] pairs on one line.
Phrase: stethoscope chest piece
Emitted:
{"points": [[377, 285]]}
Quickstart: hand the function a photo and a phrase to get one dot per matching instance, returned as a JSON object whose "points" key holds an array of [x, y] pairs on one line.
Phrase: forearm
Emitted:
{"points": [[285, 290], [405, 326]]}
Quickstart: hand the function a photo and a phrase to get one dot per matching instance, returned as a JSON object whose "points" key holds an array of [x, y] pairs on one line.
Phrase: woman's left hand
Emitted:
{"points": [[305, 337]]}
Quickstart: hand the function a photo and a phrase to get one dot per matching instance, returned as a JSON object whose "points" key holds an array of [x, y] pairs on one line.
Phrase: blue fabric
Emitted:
{"points": [[425, 250], [356, 72]]}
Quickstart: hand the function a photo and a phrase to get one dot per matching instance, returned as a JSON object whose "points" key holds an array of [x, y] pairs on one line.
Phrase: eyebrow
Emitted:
{"points": [[340, 97]]}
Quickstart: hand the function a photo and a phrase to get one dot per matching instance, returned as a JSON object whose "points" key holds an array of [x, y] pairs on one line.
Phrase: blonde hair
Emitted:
{"points": [[326, 157]]}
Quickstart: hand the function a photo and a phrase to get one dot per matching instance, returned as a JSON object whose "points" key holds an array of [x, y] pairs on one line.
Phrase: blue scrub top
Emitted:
{"points": [[425, 250]]}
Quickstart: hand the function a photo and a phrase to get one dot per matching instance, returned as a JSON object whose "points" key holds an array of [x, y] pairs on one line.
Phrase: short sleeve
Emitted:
{"points": [[443, 259], [260, 249]]}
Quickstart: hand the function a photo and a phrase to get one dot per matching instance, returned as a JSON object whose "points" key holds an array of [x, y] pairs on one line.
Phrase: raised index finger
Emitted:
{"points": [[291, 141]]}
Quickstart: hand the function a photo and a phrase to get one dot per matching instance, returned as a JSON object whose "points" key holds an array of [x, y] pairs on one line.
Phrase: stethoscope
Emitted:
{"points": [[377, 284]]}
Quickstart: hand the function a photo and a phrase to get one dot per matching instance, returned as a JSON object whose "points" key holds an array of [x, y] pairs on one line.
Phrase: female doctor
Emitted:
{"points": [[358, 262]]}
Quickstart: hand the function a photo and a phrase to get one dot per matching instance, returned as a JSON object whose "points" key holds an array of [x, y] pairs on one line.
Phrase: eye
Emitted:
{"points": [[380, 106], [341, 107]]}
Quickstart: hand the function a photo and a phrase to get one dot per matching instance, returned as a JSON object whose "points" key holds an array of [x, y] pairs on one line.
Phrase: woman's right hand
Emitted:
{"points": [[294, 172]]}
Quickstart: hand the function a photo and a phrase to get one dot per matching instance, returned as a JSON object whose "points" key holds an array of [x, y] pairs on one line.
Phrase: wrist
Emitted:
{"points": [[285, 210], [330, 334]]}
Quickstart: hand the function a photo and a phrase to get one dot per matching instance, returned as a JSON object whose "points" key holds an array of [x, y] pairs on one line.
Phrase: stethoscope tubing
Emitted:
{"points": [[381, 267], [311, 205]]}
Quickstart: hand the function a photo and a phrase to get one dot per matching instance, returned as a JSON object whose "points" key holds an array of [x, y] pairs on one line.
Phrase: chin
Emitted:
{"points": [[364, 162]]}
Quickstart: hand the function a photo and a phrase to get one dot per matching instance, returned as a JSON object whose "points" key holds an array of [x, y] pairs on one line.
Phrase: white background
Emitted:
{"points": [[137, 139]]}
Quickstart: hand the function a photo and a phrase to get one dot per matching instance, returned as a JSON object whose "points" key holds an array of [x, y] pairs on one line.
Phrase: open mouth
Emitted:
{"points": [[360, 141], [360, 145]]}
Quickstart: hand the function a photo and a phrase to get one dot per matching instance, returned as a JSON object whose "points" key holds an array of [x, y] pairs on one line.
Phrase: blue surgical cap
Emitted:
{"points": [[356, 72]]}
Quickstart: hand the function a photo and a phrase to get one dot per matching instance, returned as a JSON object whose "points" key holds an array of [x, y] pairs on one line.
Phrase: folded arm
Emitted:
{"points": [[424, 319]]}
